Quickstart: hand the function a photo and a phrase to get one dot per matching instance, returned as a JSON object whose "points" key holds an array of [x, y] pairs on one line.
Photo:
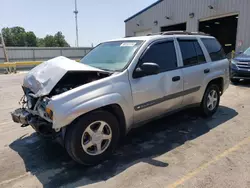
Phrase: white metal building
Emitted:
{"points": [[227, 20]]}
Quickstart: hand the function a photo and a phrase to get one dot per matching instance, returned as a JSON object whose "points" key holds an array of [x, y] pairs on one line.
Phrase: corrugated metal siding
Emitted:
{"points": [[178, 11], [40, 54]]}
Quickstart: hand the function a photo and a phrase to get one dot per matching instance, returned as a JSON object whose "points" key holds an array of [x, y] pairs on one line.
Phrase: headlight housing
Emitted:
{"points": [[234, 64], [30, 101], [49, 113], [43, 110]]}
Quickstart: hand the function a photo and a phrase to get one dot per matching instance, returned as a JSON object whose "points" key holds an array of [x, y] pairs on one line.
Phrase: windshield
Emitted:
{"points": [[247, 52], [111, 56]]}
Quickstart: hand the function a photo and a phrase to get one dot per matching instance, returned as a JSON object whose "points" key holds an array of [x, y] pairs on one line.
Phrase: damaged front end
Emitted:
{"points": [[45, 81], [34, 113]]}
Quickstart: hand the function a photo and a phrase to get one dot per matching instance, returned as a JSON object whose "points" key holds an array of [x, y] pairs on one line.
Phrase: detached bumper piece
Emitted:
{"points": [[21, 116], [40, 125]]}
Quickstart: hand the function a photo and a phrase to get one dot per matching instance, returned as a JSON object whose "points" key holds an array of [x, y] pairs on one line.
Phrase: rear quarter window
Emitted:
{"points": [[214, 49]]}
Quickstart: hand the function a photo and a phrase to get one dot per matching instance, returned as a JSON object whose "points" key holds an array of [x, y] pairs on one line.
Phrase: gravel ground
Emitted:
{"points": [[182, 150]]}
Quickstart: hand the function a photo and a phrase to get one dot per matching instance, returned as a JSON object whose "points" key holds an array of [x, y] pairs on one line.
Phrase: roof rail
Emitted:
{"points": [[178, 33], [151, 34], [183, 33]]}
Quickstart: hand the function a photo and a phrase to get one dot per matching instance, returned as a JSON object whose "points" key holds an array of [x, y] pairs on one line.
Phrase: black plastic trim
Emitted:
{"points": [[169, 97]]}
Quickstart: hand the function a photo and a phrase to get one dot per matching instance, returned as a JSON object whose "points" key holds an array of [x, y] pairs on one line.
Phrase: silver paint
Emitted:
{"points": [[122, 89]]}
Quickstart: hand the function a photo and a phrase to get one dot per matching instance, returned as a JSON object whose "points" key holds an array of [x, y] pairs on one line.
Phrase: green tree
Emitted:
{"points": [[30, 39], [49, 41], [40, 42], [60, 40], [7, 35], [17, 36]]}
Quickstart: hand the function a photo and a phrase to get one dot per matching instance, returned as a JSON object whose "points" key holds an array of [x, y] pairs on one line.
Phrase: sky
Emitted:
{"points": [[98, 20]]}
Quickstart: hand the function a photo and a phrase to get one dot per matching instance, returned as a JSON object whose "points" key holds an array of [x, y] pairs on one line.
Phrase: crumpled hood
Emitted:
{"points": [[43, 78]]}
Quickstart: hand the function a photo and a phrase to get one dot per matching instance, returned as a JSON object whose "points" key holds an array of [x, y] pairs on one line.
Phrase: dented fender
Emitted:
{"points": [[62, 118]]}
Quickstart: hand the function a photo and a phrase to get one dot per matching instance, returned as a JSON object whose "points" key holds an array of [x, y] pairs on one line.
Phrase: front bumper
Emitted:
{"points": [[239, 74], [24, 117]]}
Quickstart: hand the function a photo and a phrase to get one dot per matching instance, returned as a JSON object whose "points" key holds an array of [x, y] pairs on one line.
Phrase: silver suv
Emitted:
{"points": [[119, 85]]}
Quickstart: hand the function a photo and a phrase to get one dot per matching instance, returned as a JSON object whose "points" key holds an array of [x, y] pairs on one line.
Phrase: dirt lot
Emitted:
{"points": [[182, 150]]}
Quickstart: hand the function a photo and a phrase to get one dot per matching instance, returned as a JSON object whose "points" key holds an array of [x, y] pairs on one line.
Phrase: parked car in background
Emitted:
{"points": [[120, 85], [240, 67]]}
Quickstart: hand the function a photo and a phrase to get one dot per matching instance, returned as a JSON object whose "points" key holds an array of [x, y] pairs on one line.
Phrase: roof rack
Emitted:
{"points": [[151, 34], [179, 33]]}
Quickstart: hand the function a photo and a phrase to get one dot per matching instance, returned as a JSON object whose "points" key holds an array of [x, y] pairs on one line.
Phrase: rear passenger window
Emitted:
{"points": [[199, 52], [191, 52], [163, 54], [214, 49]]}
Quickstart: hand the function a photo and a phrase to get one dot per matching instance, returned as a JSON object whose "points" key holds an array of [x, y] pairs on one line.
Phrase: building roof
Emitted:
{"points": [[143, 10]]}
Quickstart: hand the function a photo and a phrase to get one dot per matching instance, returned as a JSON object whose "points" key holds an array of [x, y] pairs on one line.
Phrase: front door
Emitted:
{"points": [[156, 94]]}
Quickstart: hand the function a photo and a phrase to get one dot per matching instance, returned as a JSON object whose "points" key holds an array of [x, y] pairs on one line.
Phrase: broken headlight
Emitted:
{"points": [[42, 109], [30, 102], [47, 112]]}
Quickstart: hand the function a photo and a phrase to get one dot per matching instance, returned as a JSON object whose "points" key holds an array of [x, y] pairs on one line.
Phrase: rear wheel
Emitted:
{"points": [[92, 138], [211, 100]]}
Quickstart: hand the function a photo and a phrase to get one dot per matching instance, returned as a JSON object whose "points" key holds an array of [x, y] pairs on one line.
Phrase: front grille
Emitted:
{"points": [[244, 65]]}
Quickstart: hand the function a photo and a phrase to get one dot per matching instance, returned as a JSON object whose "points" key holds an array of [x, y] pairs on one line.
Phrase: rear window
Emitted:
{"points": [[214, 49], [191, 52], [189, 55]]}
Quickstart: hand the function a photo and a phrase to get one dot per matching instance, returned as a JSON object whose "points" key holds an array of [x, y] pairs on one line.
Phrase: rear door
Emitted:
{"points": [[195, 68]]}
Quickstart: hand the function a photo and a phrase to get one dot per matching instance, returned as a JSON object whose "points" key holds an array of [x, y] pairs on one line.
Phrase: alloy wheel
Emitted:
{"points": [[96, 138]]}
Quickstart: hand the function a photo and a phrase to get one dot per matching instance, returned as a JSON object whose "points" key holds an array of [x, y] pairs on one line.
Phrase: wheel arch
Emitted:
{"points": [[114, 109], [117, 111], [219, 82]]}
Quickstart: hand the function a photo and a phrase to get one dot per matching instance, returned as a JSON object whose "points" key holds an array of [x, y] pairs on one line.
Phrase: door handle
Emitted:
{"points": [[176, 78], [207, 71]]}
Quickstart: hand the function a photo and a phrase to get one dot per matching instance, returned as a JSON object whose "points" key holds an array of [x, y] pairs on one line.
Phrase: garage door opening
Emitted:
{"points": [[224, 29], [177, 27]]}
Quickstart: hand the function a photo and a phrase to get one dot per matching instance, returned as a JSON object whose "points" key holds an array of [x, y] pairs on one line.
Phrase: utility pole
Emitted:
{"points": [[4, 49], [76, 12]]}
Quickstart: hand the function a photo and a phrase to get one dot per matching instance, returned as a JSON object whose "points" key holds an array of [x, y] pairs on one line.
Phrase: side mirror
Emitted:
{"points": [[147, 69]]}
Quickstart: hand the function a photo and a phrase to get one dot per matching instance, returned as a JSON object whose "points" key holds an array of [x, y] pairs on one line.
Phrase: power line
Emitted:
{"points": [[76, 13]]}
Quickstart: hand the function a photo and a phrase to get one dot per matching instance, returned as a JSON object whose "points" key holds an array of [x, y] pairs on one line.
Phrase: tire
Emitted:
{"points": [[75, 135], [206, 109], [234, 80]]}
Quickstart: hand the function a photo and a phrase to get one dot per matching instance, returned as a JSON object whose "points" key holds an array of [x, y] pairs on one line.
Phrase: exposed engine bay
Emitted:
{"points": [[73, 79], [34, 112]]}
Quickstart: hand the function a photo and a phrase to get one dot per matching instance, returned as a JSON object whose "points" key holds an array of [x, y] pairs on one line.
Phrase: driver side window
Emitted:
{"points": [[163, 54]]}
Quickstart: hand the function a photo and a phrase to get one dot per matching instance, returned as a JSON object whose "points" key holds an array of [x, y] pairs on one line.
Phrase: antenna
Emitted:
{"points": [[76, 12]]}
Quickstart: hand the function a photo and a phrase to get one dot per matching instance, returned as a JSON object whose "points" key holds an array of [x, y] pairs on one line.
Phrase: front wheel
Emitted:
{"points": [[211, 100], [92, 138]]}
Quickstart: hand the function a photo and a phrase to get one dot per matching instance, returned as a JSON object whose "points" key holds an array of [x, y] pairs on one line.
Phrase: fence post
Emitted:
{"points": [[34, 58]]}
